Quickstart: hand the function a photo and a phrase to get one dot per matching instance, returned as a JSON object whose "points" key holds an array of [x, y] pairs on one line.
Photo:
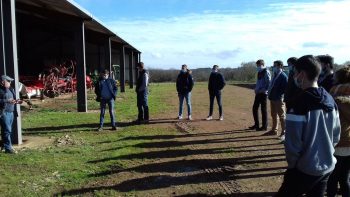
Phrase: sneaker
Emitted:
{"points": [[252, 127], [189, 117], [180, 117], [282, 137], [209, 118], [100, 129], [114, 128], [11, 151], [221, 118], [269, 133]]}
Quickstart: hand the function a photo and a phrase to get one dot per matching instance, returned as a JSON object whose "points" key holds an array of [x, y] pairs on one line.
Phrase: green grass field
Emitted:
{"points": [[50, 170]]}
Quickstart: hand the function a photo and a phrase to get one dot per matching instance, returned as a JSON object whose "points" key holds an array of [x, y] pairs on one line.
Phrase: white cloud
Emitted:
{"points": [[229, 38]]}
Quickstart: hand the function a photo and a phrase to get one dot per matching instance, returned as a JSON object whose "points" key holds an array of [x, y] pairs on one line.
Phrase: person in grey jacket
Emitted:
{"points": [[106, 92], [142, 94], [261, 90], [312, 132]]}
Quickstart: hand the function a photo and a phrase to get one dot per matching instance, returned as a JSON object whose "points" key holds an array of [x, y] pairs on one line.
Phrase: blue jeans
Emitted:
{"points": [[142, 105], [6, 130], [186, 96], [103, 109], [212, 96]]}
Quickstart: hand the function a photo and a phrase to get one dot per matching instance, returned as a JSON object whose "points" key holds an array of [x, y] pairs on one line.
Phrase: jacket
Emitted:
{"points": [[184, 83], [312, 132], [263, 82], [278, 87], [112, 87], [4, 104], [142, 82], [291, 91], [216, 82], [326, 82], [341, 94]]}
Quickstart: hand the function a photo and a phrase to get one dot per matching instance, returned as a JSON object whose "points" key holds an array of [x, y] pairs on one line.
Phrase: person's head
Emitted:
{"points": [[6, 81], [291, 61], [184, 68], [342, 75], [307, 69], [215, 68], [140, 66], [277, 66], [260, 65], [105, 74], [327, 62]]}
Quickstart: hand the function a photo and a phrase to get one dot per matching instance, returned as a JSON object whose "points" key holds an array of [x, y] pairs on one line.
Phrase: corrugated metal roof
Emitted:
{"points": [[69, 7]]}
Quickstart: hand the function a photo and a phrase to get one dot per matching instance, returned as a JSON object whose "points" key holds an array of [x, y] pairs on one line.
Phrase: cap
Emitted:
{"points": [[7, 78]]}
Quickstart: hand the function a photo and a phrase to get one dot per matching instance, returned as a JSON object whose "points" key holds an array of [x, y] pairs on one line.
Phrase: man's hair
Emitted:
{"points": [[279, 63], [292, 60], [216, 66], [260, 62], [140, 65], [105, 71], [310, 65], [326, 59], [343, 75], [184, 66]]}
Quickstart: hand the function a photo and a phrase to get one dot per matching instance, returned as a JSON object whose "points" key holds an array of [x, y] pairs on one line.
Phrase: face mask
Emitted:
{"points": [[290, 68], [105, 76], [183, 70], [214, 70], [297, 82], [258, 69], [275, 70]]}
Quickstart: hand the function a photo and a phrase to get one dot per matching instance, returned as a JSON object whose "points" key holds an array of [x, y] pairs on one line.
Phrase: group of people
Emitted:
{"points": [[312, 104]]}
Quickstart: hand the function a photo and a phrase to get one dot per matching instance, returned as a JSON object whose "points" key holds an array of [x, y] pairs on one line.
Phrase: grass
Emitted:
{"points": [[50, 170]]}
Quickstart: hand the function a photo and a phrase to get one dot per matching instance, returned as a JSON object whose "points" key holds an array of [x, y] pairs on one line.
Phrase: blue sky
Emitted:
{"points": [[201, 33]]}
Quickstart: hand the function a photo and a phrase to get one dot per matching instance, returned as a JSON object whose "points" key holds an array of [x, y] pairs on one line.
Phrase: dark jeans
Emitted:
{"points": [[297, 183], [142, 105], [260, 99], [110, 103], [340, 174], [212, 96], [6, 130]]}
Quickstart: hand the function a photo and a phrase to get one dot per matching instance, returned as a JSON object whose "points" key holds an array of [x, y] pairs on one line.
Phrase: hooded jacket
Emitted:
{"points": [[184, 83], [312, 131], [341, 94]]}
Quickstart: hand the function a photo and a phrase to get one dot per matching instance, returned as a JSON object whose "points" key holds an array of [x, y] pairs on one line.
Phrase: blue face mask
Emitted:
{"points": [[275, 70], [297, 82], [258, 69]]}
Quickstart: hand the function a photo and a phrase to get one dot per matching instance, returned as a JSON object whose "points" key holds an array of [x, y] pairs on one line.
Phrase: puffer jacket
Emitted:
{"points": [[341, 94]]}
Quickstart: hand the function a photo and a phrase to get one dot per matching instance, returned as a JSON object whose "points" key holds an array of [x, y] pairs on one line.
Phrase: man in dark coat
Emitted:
{"points": [[184, 85], [142, 94], [216, 84]]}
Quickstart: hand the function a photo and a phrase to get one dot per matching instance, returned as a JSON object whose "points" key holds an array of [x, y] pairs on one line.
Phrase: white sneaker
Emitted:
{"points": [[180, 117], [221, 118], [189, 117], [209, 118], [282, 137]]}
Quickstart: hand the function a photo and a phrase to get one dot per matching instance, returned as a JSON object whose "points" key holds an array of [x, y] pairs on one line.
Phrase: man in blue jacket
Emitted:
{"points": [[312, 131], [184, 85], [216, 84], [261, 90], [106, 92], [276, 93]]}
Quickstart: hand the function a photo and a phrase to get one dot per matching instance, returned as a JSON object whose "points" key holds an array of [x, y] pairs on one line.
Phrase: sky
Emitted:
{"points": [[201, 33]]}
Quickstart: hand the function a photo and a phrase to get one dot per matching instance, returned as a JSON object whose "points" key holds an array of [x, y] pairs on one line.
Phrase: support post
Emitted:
{"points": [[122, 68], [131, 69]]}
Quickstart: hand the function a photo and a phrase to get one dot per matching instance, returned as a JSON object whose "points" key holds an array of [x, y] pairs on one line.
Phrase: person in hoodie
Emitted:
{"points": [[292, 90], [312, 131], [142, 93], [326, 78], [261, 90], [341, 173], [215, 85], [106, 92], [184, 85]]}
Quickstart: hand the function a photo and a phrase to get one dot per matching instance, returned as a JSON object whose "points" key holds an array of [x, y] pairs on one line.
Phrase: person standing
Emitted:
{"points": [[312, 131], [261, 90], [184, 85], [341, 173], [142, 93], [292, 90], [326, 78], [216, 84], [106, 92], [275, 94], [8, 112]]}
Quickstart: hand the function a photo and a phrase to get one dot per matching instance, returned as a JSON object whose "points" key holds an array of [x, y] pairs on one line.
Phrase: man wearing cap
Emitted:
{"points": [[7, 113], [215, 85], [142, 94], [106, 92]]}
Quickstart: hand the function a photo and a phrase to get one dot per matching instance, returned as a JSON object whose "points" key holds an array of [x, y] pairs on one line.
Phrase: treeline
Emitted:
{"points": [[246, 72]]}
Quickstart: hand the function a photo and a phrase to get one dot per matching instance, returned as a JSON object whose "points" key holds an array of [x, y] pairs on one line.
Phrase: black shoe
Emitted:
{"points": [[114, 128], [252, 127], [261, 129], [10, 151], [269, 133]]}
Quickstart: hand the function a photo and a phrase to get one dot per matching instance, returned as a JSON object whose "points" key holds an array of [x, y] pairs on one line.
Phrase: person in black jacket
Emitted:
{"points": [[216, 84], [184, 85], [106, 92], [326, 78], [8, 112], [292, 90], [142, 94]]}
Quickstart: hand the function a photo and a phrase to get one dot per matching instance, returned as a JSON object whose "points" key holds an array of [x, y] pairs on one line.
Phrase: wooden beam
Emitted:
{"points": [[122, 68], [131, 69]]}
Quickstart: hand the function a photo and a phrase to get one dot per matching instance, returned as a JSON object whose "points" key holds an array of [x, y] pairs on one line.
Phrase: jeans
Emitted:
{"points": [[110, 103], [297, 183], [212, 95], [340, 174], [260, 99], [142, 105], [6, 130], [186, 96]]}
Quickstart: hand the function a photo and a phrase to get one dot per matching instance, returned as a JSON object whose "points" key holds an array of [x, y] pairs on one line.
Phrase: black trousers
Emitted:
{"points": [[212, 96], [297, 183], [340, 174], [260, 99]]}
